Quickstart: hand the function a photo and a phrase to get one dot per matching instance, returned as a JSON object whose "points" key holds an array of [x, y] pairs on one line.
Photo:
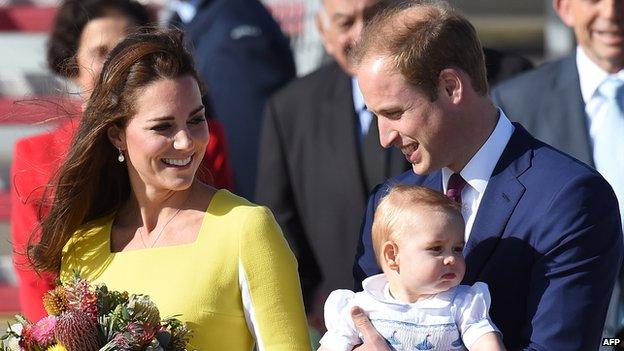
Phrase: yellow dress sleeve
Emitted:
{"points": [[270, 285]]}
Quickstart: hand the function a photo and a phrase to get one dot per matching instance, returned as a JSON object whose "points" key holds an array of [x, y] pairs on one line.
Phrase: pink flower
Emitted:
{"points": [[43, 331]]}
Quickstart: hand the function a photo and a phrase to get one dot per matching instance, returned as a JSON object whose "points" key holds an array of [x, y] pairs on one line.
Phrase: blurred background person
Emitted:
{"points": [[83, 34], [576, 103], [243, 57]]}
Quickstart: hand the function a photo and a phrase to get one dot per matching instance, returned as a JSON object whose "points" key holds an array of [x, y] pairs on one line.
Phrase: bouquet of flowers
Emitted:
{"points": [[82, 317]]}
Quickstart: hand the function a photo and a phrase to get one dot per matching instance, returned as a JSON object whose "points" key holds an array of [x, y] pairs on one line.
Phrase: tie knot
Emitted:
{"points": [[612, 88], [455, 186]]}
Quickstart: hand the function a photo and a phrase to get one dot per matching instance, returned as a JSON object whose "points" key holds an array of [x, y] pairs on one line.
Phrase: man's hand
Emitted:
{"points": [[373, 341]]}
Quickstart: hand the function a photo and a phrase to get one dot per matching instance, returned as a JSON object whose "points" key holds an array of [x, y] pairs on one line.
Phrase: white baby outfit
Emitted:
{"points": [[445, 321]]}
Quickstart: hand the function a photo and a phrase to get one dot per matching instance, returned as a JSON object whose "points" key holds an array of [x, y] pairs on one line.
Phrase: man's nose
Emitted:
{"points": [[387, 135], [612, 9]]}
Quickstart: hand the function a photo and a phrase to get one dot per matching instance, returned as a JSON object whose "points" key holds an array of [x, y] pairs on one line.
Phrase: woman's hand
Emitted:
{"points": [[373, 341]]}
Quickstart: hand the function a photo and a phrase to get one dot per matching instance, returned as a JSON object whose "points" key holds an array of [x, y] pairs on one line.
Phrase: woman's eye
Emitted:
{"points": [[161, 127], [197, 119]]}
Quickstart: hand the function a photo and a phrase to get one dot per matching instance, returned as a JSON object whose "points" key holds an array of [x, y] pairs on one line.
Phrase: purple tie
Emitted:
{"points": [[454, 188]]}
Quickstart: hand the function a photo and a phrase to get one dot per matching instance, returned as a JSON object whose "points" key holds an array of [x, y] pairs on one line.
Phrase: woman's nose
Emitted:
{"points": [[182, 140]]}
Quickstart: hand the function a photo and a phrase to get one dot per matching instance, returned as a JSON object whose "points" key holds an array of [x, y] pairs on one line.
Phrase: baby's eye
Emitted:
{"points": [[435, 248], [459, 249]]}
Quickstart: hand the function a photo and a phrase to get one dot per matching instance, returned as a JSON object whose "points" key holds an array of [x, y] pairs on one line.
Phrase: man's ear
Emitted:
{"points": [[390, 255], [562, 7], [117, 137], [322, 22], [450, 85]]}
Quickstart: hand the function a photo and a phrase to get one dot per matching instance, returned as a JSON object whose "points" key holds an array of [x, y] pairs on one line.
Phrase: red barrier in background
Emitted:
{"points": [[27, 18]]}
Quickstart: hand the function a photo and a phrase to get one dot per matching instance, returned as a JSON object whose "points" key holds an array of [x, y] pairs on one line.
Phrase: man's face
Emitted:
{"points": [[340, 24], [599, 29], [428, 133]]}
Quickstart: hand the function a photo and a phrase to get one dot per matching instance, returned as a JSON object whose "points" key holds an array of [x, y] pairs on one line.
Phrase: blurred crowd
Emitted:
{"points": [[308, 147]]}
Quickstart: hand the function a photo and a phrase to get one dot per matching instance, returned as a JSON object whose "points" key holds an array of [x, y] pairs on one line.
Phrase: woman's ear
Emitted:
{"points": [[117, 137], [390, 255]]}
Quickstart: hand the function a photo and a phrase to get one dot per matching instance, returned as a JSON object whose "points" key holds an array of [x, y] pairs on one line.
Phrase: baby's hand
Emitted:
{"points": [[373, 341]]}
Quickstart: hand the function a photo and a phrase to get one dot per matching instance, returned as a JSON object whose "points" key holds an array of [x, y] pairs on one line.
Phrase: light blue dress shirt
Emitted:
{"points": [[365, 117]]}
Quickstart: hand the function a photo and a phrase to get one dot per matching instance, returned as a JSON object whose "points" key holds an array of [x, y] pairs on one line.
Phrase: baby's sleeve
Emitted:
{"points": [[341, 333], [472, 305]]}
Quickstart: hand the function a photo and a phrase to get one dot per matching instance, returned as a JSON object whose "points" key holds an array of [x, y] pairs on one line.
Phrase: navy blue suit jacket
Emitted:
{"points": [[546, 239], [243, 57]]}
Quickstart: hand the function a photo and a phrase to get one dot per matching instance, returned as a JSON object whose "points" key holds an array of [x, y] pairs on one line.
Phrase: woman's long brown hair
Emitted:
{"points": [[91, 182]]}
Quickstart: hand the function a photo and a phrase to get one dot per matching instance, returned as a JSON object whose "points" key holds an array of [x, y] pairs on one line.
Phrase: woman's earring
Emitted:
{"points": [[121, 157]]}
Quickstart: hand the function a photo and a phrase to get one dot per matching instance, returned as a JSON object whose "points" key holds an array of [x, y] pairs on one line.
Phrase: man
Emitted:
{"points": [[542, 229], [320, 158], [564, 102], [243, 58]]}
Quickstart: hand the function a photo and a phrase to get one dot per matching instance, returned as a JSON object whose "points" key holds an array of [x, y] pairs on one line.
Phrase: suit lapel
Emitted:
{"points": [[564, 112], [501, 196], [339, 130]]}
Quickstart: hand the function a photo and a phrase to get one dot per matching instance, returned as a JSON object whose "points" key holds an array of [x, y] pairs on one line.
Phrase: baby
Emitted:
{"points": [[417, 303]]}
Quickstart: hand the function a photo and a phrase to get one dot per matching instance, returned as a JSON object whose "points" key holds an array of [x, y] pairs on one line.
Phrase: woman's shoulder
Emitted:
{"points": [[231, 206], [87, 248], [89, 234]]}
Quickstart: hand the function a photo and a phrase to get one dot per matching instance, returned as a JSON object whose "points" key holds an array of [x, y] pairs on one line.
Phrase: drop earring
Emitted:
{"points": [[121, 157]]}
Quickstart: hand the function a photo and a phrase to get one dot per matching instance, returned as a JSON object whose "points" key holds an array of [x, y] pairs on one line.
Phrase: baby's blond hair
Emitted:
{"points": [[399, 203]]}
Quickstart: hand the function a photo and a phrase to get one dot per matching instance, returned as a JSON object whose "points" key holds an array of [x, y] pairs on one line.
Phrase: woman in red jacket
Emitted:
{"points": [[83, 34]]}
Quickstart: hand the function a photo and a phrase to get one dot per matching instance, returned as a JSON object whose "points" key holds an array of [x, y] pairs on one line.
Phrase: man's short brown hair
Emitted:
{"points": [[422, 38]]}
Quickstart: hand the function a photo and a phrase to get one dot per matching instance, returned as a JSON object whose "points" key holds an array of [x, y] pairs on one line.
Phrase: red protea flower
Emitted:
{"points": [[27, 341], [77, 331], [43, 331], [81, 297], [138, 335]]}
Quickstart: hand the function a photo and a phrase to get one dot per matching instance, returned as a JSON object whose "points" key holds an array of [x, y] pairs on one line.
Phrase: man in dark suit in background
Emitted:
{"points": [[243, 57], [542, 229], [565, 104], [320, 158]]}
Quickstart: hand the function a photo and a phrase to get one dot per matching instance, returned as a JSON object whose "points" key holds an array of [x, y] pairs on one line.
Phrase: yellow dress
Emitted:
{"points": [[235, 284]]}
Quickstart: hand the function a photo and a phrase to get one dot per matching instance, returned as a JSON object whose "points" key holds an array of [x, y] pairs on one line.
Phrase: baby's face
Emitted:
{"points": [[430, 253]]}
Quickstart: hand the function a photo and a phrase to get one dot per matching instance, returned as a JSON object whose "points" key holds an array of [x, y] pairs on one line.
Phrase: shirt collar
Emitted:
{"points": [[478, 170], [378, 287], [590, 74], [358, 98]]}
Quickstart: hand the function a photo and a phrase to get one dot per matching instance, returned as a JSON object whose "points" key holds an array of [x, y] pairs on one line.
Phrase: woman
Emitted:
{"points": [[129, 212], [83, 34]]}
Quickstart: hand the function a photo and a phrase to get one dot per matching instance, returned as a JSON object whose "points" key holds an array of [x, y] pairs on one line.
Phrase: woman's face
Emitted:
{"points": [[97, 39], [165, 141]]}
